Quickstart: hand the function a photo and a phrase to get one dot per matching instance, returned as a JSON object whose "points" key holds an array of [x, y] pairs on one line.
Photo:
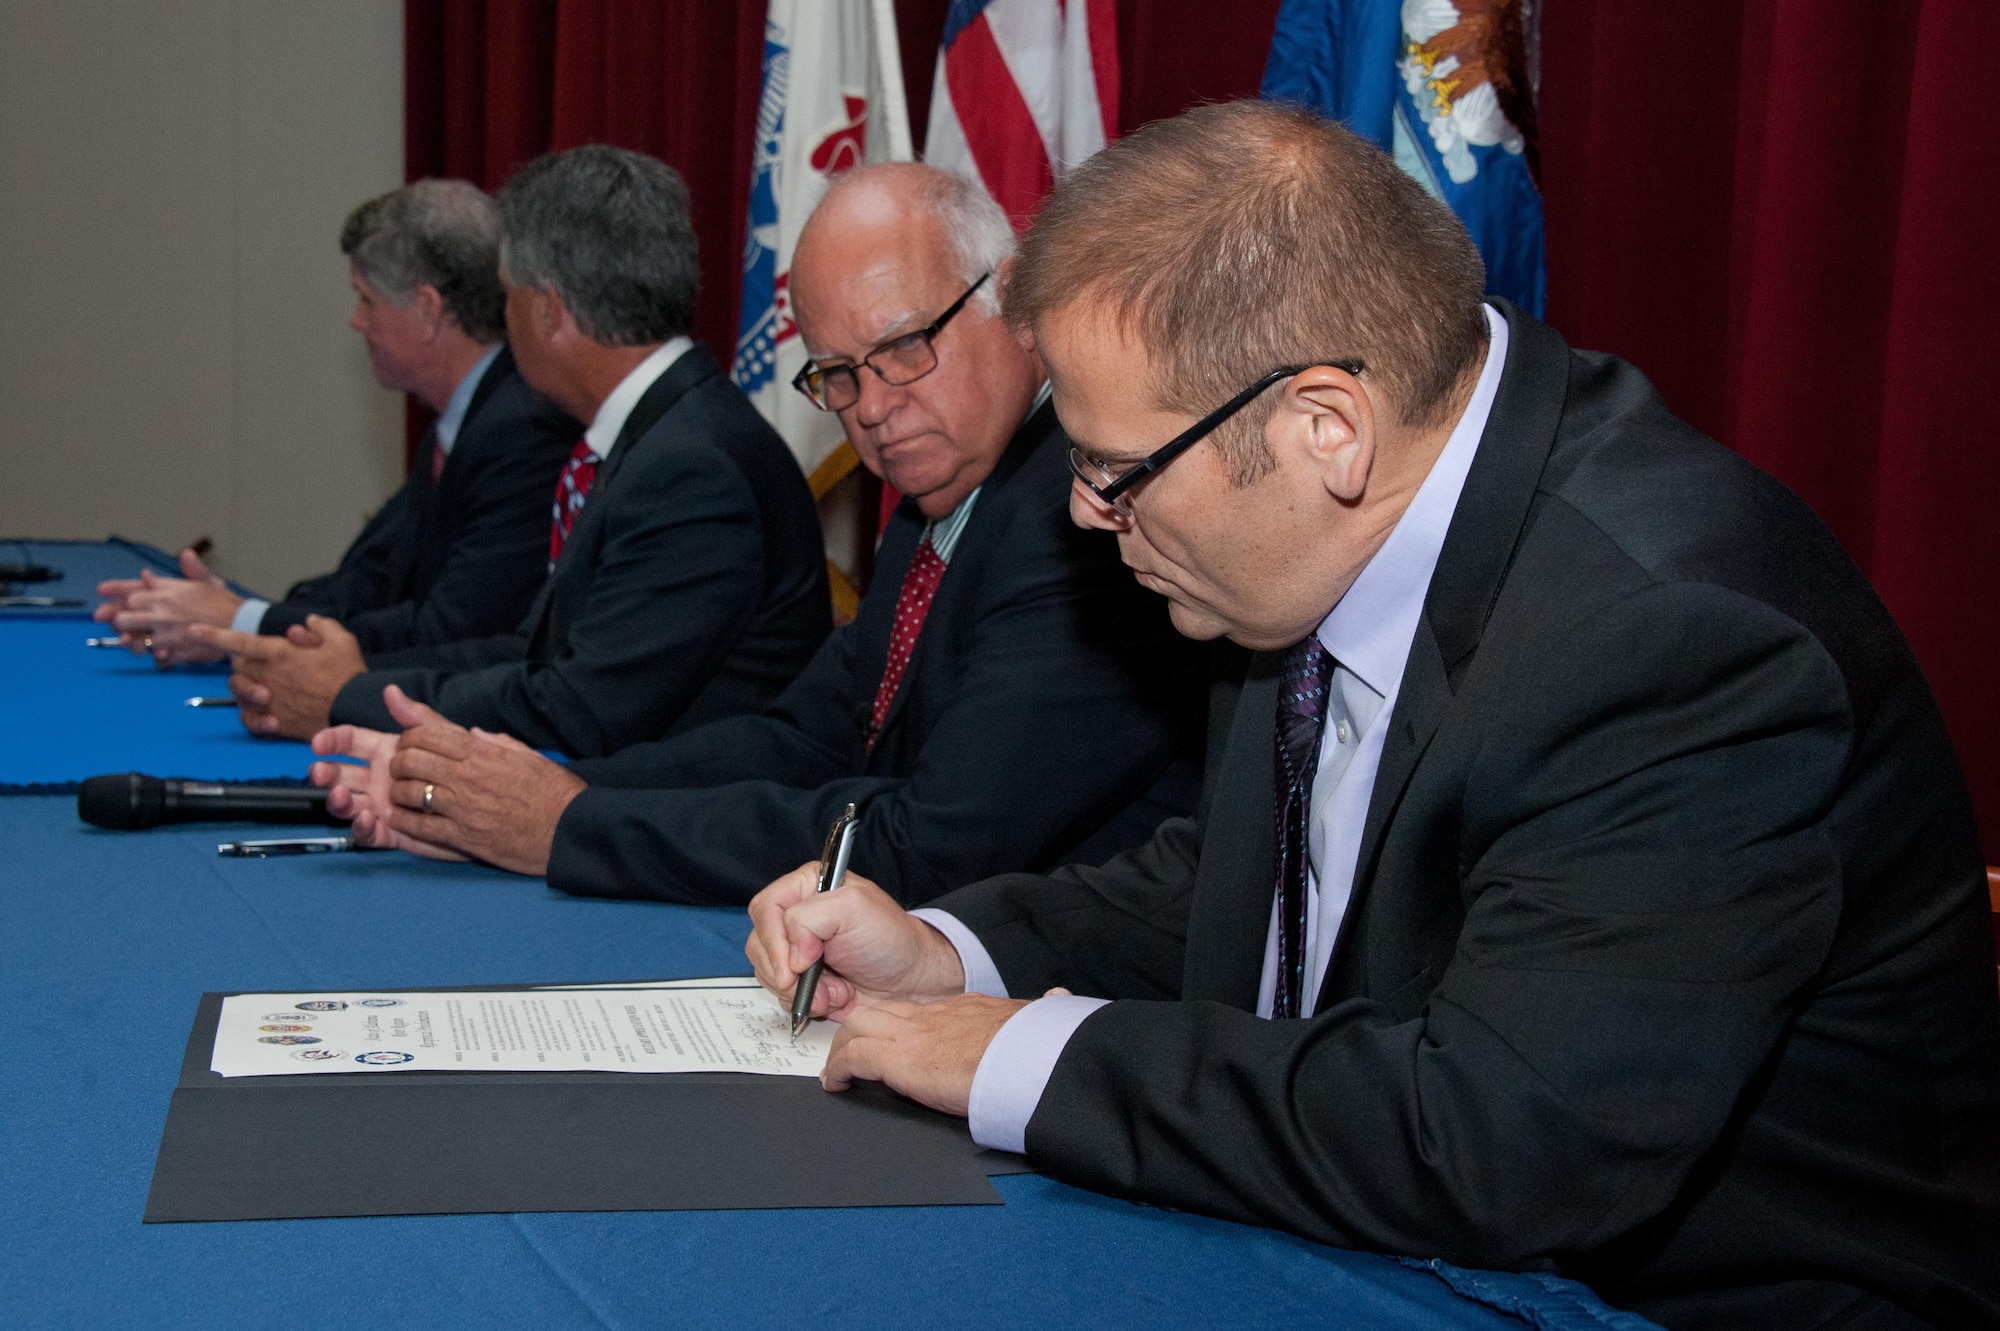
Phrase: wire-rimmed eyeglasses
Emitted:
{"points": [[1111, 487], [900, 360]]}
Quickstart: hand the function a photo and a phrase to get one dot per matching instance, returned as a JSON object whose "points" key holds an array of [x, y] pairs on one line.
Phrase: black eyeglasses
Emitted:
{"points": [[900, 360], [1111, 487]]}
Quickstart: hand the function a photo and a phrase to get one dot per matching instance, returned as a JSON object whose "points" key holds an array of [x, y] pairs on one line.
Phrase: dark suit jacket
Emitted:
{"points": [[1667, 965], [459, 557], [1045, 694], [692, 587]]}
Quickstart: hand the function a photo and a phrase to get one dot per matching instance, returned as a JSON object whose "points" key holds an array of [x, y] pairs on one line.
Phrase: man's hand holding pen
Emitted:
{"points": [[893, 982]]}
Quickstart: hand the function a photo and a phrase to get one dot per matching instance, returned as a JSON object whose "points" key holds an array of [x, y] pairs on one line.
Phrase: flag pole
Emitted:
{"points": [[895, 108]]}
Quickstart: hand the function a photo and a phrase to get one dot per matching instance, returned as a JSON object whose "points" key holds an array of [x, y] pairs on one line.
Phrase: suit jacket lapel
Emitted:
{"points": [[1230, 916], [1479, 546], [489, 384], [694, 366], [482, 393], [1032, 434]]}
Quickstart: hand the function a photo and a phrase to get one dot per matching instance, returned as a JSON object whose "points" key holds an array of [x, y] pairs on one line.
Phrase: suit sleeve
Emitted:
{"points": [[1650, 892], [1119, 928], [677, 577], [363, 577], [1058, 644]]}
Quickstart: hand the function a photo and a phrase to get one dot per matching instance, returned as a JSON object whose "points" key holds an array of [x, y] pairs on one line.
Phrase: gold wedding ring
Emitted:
{"points": [[149, 642], [430, 793]]}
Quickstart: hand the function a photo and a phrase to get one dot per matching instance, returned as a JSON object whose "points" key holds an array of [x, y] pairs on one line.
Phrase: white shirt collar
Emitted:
{"points": [[453, 416], [1370, 630], [617, 406]]}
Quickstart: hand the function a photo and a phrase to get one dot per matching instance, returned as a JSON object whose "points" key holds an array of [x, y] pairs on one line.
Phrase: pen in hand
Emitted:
{"points": [[832, 870]]}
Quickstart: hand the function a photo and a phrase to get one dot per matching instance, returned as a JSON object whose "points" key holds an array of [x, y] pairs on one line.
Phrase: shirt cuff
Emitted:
{"points": [[1015, 1069], [981, 975], [249, 615]]}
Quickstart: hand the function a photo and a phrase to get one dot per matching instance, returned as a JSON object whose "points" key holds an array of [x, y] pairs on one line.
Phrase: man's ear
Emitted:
{"points": [[428, 303], [1325, 412], [551, 313]]}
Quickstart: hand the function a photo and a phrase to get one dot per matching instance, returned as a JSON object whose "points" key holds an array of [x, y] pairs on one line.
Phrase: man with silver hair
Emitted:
{"points": [[687, 580], [457, 551], [1006, 697]]}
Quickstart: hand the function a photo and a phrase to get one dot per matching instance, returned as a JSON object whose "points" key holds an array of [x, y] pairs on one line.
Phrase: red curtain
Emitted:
{"points": [[1786, 213], [489, 84], [1782, 210]]}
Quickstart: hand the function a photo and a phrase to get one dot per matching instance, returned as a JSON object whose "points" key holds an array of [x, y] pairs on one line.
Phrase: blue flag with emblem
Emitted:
{"points": [[1446, 86]]}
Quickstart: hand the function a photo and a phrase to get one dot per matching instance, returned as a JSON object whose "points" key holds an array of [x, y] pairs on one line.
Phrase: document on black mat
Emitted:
{"points": [[684, 1027]]}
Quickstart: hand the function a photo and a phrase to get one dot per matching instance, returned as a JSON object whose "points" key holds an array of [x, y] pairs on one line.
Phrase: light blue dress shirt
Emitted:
{"points": [[1368, 633]]}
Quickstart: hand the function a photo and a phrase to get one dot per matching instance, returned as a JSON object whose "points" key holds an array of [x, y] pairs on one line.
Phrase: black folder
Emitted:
{"points": [[428, 1143]]}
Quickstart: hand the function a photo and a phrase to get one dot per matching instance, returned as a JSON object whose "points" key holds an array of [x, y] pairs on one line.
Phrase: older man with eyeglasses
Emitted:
{"points": [[1006, 698]]}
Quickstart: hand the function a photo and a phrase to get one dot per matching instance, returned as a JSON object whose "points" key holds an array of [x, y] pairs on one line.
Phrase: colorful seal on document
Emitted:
{"points": [[320, 1005], [382, 1058], [319, 1055], [284, 1027], [378, 1002], [288, 1039]]}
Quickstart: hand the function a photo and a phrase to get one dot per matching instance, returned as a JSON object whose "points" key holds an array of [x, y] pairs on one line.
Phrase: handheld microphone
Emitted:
{"points": [[129, 801]]}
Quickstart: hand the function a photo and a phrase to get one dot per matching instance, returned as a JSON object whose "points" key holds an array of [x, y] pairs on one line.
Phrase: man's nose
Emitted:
{"points": [[878, 398]]}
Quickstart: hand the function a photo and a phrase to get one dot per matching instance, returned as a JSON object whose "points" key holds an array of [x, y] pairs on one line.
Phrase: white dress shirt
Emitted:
{"points": [[250, 615], [617, 406], [1368, 633]]}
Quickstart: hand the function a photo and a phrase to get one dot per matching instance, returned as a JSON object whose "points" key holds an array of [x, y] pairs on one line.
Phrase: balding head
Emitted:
{"points": [[887, 251]]}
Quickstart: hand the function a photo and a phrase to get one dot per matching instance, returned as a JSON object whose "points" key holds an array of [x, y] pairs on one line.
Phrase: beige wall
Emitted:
{"points": [[174, 355]]}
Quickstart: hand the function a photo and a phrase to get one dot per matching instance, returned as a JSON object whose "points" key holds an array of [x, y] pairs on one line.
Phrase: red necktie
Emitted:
{"points": [[572, 488], [437, 457], [912, 604]]}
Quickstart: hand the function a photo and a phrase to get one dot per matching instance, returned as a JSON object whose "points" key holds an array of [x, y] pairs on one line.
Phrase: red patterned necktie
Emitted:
{"points": [[1302, 696], [572, 488], [912, 604]]}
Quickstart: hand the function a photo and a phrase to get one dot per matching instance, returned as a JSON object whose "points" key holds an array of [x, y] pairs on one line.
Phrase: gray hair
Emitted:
{"points": [[1237, 238], [981, 237], [976, 228], [608, 230], [436, 233]]}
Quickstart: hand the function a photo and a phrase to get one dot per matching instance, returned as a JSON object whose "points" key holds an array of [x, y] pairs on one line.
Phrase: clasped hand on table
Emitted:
{"points": [[893, 982], [492, 797], [153, 614], [286, 685]]}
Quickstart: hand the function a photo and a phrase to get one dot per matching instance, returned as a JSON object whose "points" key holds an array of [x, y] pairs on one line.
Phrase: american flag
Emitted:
{"points": [[1025, 90]]}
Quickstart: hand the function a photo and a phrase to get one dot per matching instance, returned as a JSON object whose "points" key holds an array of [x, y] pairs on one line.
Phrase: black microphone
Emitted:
{"points": [[128, 801]]}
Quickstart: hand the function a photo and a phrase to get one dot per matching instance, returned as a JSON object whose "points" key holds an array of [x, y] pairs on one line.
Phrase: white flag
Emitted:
{"points": [[832, 99]]}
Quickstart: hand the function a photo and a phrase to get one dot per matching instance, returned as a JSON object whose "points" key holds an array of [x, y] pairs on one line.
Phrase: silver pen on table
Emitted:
{"points": [[311, 845], [832, 871], [209, 702], [104, 642]]}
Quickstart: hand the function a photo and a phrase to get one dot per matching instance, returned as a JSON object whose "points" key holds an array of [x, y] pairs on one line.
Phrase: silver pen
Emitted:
{"points": [[311, 845], [832, 871], [209, 702], [104, 642]]}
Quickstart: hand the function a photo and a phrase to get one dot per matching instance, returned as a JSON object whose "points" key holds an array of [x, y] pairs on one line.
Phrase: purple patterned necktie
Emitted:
{"points": [[1302, 695]]}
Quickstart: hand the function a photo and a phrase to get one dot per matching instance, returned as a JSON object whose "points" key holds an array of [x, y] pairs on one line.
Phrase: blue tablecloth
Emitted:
{"points": [[74, 711], [107, 939], [82, 564]]}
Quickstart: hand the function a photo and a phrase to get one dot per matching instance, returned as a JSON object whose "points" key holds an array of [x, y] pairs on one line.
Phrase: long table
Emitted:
{"points": [[107, 939], [74, 711]]}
